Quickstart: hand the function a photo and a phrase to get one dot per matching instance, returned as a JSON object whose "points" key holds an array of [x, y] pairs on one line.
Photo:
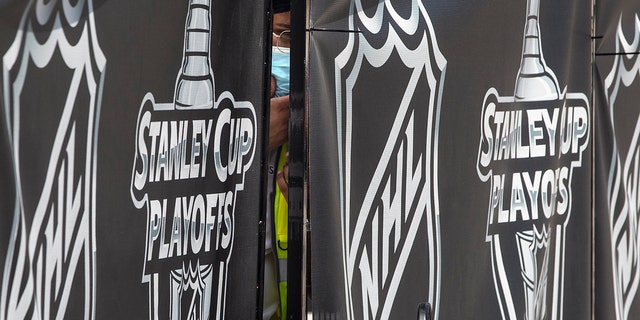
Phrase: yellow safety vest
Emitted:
{"points": [[281, 220]]}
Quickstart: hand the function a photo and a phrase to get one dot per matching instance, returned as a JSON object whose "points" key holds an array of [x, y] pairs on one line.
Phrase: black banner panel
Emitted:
{"points": [[131, 151], [450, 159], [616, 87]]}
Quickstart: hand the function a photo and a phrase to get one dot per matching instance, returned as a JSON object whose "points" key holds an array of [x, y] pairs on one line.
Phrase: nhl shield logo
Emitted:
{"points": [[52, 79], [624, 184], [385, 203]]}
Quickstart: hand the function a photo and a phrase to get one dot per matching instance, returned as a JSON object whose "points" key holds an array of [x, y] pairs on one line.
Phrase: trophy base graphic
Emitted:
{"points": [[192, 289], [533, 245]]}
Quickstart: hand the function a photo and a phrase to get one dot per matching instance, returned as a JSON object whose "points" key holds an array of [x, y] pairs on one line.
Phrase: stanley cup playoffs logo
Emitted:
{"points": [[52, 79], [391, 66], [530, 144], [190, 161], [623, 186]]}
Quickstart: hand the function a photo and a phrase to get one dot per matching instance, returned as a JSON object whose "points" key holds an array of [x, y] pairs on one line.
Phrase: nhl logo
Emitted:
{"points": [[52, 78], [384, 202], [623, 184]]}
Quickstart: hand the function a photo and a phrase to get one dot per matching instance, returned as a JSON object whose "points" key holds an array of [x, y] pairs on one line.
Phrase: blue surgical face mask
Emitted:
{"points": [[280, 66]]}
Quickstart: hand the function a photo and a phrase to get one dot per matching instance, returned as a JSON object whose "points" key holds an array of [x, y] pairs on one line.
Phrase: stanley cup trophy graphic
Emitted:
{"points": [[535, 82], [530, 144], [388, 162], [52, 79], [192, 286], [190, 213]]}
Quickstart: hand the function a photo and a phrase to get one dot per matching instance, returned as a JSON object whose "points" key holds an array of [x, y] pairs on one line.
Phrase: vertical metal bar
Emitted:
{"points": [[264, 154], [593, 159], [297, 161]]}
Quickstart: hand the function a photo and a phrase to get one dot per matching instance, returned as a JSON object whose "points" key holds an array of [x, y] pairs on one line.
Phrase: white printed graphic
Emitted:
{"points": [[623, 186], [50, 266], [190, 209], [380, 228], [530, 144]]}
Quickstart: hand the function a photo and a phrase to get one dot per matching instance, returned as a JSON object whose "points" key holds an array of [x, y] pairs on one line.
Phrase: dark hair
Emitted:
{"points": [[281, 6]]}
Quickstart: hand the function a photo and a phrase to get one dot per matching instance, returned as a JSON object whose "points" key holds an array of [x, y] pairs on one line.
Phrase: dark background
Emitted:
{"points": [[481, 40]]}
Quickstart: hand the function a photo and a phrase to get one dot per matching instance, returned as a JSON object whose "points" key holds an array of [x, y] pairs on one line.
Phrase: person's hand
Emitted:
{"points": [[278, 121], [283, 179]]}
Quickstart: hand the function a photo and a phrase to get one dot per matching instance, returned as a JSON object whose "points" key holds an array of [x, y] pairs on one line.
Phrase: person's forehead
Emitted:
{"points": [[282, 19]]}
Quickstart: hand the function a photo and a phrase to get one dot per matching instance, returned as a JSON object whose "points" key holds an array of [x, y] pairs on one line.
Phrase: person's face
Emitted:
{"points": [[281, 29]]}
